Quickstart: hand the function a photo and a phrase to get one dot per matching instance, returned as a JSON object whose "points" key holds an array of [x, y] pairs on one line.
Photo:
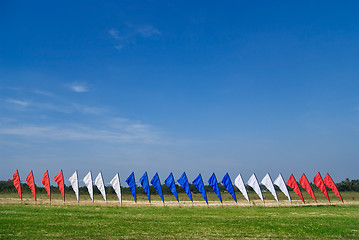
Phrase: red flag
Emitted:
{"points": [[17, 184], [330, 184], [318, 181], [59, 179], [305, 184], [293, 184], [46, 182], [31, 183]]}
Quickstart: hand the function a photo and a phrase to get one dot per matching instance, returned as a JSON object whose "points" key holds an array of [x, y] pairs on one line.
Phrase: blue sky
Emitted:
{"points": [[163, 86]]}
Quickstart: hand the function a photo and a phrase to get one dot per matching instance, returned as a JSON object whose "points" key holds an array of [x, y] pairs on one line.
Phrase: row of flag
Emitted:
{"points": [[184, 183]]}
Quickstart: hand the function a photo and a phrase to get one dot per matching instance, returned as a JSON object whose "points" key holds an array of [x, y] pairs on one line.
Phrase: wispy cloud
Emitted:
{"points": [[147, 31], [119, 47], [33, 119], [114, 33], [128, 133], [132, 33], [18, 102], [79, 87], [66, 108], [44, 93], [32, 91], [88, 109]]}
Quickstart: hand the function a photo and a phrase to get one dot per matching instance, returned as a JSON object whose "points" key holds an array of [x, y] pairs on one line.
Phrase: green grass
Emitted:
{"points": [[22, 221]]}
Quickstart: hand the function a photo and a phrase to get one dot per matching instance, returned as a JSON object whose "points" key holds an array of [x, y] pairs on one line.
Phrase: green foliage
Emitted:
{"points": [[348, 185]]}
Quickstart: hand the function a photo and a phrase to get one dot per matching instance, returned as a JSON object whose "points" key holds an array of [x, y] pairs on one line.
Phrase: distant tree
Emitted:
{"points": [[348, 185]]}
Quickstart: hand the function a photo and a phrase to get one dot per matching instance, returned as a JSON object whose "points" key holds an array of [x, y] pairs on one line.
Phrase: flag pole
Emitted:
{"points": [[50, 192]]}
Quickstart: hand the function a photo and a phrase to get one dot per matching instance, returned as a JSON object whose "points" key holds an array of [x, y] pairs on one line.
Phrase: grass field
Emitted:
{"points": [[22, 221], [29, 220]]}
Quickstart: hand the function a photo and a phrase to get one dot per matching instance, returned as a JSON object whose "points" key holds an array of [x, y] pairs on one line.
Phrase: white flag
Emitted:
{"points": [[75, 184], [115, 182], [267, 182], [253, 183], [88, 181], [100, 185], [238, 182], [282, 186]]}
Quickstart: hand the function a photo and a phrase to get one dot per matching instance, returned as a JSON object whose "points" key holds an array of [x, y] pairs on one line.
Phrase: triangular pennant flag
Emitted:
{"points": [[330, 184], [253, 183], [183, 181], [74, 180], [170, 182], [238, 182], [157, 184], [31, 183], [132, 184], [227, 183], [293, 184], [318, 181], [214, 184], [17, 183], [267, 182], [46, 182], [281, 184], [305, 184], [101, 185], [59, 179], [88, 182], [145, 185], [198, 182], [115, 182]]}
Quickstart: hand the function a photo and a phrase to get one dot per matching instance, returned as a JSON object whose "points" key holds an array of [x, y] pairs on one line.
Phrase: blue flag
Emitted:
{"points": [[170, 182], [198, 182], [226, 181], [214, 184], [157, 184], [183, 181], [145, 185], [132, 184]]}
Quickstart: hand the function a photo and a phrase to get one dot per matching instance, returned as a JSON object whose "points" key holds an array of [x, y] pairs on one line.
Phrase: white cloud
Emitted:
{"points": [[44, 93], [87, 109], [138, 133], [144, 31], [38, 123], [148, 31], [34, 131], [119, 47], [18, 102], [61, 108], [53, 107], [114, 33], [79, 87]]}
